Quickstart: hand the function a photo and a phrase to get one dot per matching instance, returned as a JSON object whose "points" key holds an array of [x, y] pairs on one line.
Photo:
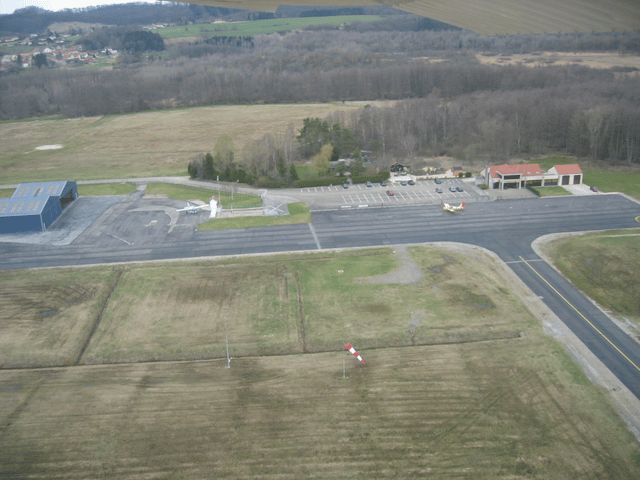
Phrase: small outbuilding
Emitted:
{"points": [[570, 174], [33, 207]]}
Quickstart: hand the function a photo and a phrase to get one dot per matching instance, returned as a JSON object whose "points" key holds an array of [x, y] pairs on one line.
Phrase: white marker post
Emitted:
{"points": [[226, 339]]}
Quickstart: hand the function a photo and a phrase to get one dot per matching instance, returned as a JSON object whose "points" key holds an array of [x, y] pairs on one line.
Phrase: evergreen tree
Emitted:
{"points": [[209, 170], [281, 166], [293, 173]]}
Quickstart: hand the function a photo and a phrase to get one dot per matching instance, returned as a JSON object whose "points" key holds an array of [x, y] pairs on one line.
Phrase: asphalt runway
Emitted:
{"points": [[139, 229]]}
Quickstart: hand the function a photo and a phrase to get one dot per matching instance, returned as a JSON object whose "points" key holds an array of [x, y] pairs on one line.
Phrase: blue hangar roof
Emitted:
{"points": [[35, 206]]}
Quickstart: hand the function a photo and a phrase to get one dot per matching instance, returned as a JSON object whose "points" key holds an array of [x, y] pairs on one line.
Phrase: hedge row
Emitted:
{"points": [[326, 181]]}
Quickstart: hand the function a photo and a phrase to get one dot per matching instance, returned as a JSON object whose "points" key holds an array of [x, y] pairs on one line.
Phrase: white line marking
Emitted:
{"points": [[315, 237]]}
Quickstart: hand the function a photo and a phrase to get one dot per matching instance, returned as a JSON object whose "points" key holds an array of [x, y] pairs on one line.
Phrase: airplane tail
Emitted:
{"points": [[213, 204], [463, 204]]}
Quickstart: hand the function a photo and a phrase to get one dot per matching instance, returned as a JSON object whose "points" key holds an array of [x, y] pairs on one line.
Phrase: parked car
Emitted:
{"points": [[459, 189], [438, 181], [383, 183], [452, 189], [403, 183], [345, 185], [369, 184], [390, 193], [594, 188], [411, 182], [438, 190]]}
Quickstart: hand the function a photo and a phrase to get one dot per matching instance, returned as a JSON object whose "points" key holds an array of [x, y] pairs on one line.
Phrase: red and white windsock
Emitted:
{"points": [[349, 347]]}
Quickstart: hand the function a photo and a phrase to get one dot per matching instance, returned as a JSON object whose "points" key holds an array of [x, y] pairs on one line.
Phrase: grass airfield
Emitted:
{"points": [[146, 144], [460, 380]]}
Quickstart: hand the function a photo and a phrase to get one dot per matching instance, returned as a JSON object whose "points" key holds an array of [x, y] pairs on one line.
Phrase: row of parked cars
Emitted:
{"points": [[410, 182]]}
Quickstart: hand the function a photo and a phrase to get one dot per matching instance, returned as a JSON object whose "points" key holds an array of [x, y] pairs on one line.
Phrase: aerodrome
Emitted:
{"points": [[133, 231]]}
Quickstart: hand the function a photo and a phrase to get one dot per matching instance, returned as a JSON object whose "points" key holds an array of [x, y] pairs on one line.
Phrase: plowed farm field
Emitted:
{"points": [[459, 382]]}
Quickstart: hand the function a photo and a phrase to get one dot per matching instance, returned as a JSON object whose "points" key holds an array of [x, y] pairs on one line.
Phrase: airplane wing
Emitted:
{"points": [[490, 17], [191, 208]]}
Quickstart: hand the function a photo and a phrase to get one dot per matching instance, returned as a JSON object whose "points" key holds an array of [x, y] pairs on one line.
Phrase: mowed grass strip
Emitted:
{"points": [[497, 409], [606, 267], [302, 303]]}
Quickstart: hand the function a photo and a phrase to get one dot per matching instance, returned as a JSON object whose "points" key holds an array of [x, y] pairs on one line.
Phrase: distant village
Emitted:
{"points": [[56, 49]]}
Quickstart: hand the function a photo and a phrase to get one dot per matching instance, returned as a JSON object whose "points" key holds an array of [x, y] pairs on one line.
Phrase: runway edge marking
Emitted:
{"points": [[580, 313]]}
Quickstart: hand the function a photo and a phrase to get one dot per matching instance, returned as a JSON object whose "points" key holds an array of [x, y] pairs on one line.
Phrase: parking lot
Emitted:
{"points": [[395, 193]]}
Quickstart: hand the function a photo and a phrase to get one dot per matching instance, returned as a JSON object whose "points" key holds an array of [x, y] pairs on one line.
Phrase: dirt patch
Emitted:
{"points": [[408, 273]]}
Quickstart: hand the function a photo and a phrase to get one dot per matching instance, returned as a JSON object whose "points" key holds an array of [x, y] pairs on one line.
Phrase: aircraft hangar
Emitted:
{"points": [[33, 207]]}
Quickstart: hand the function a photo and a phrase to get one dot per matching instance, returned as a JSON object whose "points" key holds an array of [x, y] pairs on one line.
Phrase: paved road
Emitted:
{"points": [[138, 229]]}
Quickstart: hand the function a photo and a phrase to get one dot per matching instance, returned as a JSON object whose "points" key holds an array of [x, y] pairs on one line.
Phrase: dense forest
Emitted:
{"points": [[445, 101]]}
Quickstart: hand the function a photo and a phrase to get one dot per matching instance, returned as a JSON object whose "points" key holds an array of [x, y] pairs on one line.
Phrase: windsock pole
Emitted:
{"points": [[349, 347]]}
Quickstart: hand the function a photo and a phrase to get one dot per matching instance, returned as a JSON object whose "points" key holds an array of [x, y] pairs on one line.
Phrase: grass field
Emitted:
{"points": [[298, 213], [611, 181], [106, 189], [139, 145], [258, 27], [183, 192], [606, 267], [460, 380]]}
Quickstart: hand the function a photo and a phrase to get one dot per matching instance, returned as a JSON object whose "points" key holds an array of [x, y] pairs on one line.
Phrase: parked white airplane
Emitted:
{"points": [[452, 208], [191, 209]]}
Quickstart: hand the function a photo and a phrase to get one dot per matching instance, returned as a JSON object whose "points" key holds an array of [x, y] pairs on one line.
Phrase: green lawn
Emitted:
{"points": [[298, 213], [607, 181], [106, 189], [184, 192], [259, 27]]}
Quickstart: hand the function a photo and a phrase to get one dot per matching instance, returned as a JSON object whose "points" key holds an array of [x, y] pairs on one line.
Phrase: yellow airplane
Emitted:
{"points": [[453, 208], [489, 17]]}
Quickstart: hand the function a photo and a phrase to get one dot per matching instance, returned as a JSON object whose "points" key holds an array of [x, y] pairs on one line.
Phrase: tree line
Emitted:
{"points": [[477, 128]]}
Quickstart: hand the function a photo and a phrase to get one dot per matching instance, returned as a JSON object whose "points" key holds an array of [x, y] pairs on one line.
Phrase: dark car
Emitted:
{"points": [[383, 183], [411, 182], [345, 185], [438, 190], [390, 193], [438, 181], [594, 188], [459, 189]]}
